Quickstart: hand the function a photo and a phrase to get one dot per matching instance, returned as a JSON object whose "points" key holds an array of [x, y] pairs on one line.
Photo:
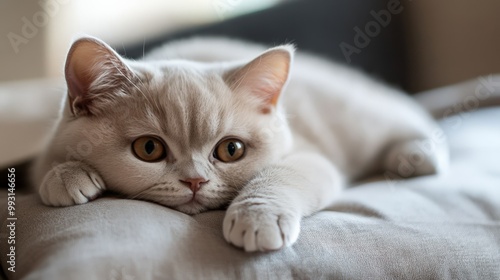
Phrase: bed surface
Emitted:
{"points": [[435, 227]]}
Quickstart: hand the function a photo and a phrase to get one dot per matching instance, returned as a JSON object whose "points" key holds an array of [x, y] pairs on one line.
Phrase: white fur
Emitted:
{"points": [[332, 125]]}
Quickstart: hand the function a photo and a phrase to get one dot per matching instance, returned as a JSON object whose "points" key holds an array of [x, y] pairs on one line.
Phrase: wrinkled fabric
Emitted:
{"points": [[434, 227]]}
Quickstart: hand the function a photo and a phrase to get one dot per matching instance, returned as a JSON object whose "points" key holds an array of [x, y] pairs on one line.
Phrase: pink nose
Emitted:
{"points": [[194, 183]]}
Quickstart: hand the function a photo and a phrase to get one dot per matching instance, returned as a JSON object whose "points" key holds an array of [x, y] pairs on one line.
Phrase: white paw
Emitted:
{"points": [[70, 183], [260, 226]]}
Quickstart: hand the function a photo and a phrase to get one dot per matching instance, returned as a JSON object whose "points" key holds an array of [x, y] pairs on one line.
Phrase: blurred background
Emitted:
{"points": [[444, 41], [414, 45], [51, 25]]}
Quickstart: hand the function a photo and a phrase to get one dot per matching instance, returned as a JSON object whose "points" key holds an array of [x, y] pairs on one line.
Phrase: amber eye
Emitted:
{"points": [[229, 150], [149, 148]]}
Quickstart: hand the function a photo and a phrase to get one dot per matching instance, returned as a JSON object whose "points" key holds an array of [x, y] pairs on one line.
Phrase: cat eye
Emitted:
{"points": [[229, 150], [149, 148]]}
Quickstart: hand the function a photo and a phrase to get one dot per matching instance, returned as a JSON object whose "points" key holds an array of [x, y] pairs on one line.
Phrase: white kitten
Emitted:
{"points": [[205, 123]]}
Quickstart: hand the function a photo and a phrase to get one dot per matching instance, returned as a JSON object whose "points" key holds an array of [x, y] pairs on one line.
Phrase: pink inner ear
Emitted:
{"points": [[265, 76], [80, 61], [78, 74], [88, 60], [274, 78]]}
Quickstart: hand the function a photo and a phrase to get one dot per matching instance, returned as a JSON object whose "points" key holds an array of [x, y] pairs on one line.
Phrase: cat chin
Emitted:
{"points": [[191, 208]]}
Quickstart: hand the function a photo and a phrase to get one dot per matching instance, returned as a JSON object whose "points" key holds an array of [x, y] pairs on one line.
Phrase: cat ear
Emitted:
{"points": [[94, 71], [265, 77]]}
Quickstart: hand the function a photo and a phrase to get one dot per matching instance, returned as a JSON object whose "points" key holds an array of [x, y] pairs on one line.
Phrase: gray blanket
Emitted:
{"points": [[445, 227]]}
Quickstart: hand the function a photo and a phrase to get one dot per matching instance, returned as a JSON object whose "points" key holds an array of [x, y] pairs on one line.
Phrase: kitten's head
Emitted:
{"points": [[184, 134]]}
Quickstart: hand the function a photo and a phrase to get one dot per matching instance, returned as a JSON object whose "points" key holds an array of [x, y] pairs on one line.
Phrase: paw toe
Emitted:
{"points": [[269, 238], [250, 241]]}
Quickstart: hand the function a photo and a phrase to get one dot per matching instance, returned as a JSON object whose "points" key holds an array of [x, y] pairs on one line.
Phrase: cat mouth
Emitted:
{"points": [[193, 203], [193, 200]]}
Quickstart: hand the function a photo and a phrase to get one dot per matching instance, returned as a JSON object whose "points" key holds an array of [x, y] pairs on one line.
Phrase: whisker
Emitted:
{"points": [[153, 102], [124, 50], [148, 100], [143, 48], [145, 191]]}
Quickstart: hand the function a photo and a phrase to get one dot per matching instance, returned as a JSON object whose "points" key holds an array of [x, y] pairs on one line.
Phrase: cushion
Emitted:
{"points": [[445, 227]]}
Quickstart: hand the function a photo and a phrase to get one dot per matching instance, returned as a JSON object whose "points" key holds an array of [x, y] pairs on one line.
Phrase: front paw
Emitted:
{"points": [[260, 226], [70, 183]]}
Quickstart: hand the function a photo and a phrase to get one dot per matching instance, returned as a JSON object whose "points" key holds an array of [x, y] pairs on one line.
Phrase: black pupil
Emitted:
{"points": [[149, 146], [231, 148]]}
